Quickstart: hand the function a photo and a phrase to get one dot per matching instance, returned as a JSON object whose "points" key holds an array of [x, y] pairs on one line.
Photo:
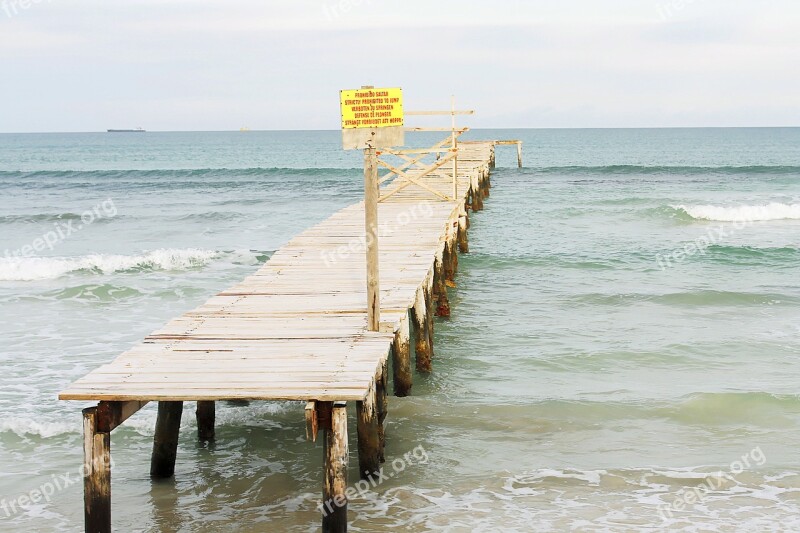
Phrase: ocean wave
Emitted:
{"points": [[43, 268], [627, 170], [722, 408], [176, 173], [41, 217], [228, 415], [741, 213]]}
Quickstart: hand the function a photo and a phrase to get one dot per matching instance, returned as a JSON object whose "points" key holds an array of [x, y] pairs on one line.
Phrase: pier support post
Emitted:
{"points": [[165, 442], [401, 359], [206, 416], [369, 438], [439, 283], [96, 474], [451, 256], [463, 242], [334, 499], [423, 328], [477, 198], [382, 403]]}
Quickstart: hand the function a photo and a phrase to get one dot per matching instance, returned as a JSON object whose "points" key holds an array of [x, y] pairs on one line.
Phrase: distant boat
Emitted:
{"points": [[244, 129], [137, 130]]}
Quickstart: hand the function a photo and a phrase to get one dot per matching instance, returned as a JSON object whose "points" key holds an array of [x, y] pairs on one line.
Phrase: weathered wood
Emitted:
{"points": [[439, 283], [463, 240], [382, 405], [336, 458], [165, 442], [312, 421], [455, 149], [401, 359], [440, 113], [96, 474], [206, 418], [111, 415], [369, 439], [371, 195], [477, 199], [423, 325]]}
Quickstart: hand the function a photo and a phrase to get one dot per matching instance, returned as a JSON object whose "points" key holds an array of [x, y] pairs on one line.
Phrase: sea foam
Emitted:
{"points": [[43, 268], [742, 213]]}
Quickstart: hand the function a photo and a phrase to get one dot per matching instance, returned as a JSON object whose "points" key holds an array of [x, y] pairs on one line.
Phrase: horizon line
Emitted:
{"points": [[471, 129]]}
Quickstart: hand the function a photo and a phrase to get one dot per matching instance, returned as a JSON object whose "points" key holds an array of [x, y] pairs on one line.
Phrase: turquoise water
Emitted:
{"points": [[625, 327]]}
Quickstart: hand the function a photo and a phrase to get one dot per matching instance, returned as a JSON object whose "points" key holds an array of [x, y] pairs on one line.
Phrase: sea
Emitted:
{"points": [[623, 353]]}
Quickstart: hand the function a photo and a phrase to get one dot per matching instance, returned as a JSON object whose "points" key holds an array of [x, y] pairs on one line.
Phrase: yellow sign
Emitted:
{"points": [[372, 108]]}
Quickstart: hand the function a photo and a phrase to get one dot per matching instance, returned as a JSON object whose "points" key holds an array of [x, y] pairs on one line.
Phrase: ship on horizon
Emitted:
{"points": [[135, 130]]}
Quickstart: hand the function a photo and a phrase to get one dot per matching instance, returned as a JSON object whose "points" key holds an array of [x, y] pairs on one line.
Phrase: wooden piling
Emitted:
{"points": [[423, 326], [206, 416], [401, 359], [451, 257], [477, 199], [96, 474], [336, 457], [369, 438], [382, 404], [439, 283], [463, 241], [165, 442]]}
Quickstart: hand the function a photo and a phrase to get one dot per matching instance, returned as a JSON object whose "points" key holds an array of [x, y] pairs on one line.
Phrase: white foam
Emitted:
{"points": [[742, 213], [42, 268], [24, 427]]}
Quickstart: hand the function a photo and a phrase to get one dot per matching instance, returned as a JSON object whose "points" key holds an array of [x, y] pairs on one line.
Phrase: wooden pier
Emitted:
{"points": [[298, 329]]}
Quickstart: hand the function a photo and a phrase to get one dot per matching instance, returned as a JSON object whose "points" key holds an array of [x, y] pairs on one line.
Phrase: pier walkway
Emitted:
{"points": [[297, 330]]}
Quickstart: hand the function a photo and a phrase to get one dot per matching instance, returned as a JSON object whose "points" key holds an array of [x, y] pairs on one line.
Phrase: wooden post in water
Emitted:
{"points": [[165, 442], [371, 195], [519, 154], [206, 416], [96, 474], [463, 240], [369, 441], [382, 405], [423, 326], [401, 359], [334, 499], [439, 282]]}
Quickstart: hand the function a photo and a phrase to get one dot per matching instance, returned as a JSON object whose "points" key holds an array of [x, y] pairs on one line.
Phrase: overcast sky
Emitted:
{"points": [[88, 65]]}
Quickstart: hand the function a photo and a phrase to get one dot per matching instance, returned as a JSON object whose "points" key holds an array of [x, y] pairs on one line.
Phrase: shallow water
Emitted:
{"points": [[592, 377]]}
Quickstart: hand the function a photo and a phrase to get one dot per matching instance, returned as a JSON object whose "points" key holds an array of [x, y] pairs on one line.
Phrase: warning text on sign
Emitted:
{"points": [[372, 108]]}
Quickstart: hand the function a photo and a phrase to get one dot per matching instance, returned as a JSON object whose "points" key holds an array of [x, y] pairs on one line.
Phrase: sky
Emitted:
{"points": [[176, 65]]}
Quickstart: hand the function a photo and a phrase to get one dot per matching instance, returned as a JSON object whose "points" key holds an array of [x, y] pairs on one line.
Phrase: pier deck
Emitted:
{"points": [[297, 330]]}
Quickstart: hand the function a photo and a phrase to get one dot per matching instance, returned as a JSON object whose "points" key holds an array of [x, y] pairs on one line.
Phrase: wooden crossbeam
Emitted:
{"points": [[416, 160], [415, 179], [438, 113], [462, 130]]}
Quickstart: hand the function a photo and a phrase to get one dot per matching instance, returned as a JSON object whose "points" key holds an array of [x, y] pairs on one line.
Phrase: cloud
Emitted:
{"points": [[199, 64]]}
